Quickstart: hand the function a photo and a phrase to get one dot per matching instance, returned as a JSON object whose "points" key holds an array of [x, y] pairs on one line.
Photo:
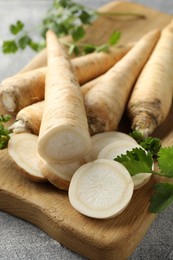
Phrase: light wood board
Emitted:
{"points": [[49, 209]]}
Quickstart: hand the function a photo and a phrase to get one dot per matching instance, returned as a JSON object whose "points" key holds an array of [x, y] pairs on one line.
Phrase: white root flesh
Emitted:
{"points": [[117, 148], [101, 189], [100, 140], [22, 149]]}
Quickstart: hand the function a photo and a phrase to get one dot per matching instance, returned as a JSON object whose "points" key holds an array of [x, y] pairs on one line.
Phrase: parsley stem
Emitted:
{"points": [[120, 14]]}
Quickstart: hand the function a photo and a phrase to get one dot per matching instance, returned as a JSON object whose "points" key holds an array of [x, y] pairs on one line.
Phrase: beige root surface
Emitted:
{"points": [[151, 99], [106, 102], [64, 134], [28, 87]]}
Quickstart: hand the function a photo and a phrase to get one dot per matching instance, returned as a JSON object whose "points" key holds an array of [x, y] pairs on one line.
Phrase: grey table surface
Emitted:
{"points": [[21, 240]]}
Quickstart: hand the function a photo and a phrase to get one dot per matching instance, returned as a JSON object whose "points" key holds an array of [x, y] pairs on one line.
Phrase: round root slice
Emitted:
{"points": [[99, 141], [111, 151], [59, 174], [101, 189], [22, 149]]}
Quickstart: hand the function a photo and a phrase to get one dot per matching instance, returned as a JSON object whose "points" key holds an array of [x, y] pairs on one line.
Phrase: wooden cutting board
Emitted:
{"points": [[49, 209]]}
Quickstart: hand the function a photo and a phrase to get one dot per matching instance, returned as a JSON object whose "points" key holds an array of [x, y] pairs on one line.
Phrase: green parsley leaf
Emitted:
{"points": [[165, 161], [16, 28], [78, 33], [9, 47], [36, 46], [137, 136], [85, 17], [151, 144], [114, 38], [24, 41], [162, 198], [136, 161], [4, 119], [89, 48], [4, 132]]}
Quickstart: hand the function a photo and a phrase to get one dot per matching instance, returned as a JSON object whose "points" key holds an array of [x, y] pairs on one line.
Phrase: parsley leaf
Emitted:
{"points": [[64, 17], [24, 41], [4, 132], [165, 161], [114, 38], [89, 48], [78, 33], [151, 144], [16, 28], [136, 161], [9, 47], [162, 198]]}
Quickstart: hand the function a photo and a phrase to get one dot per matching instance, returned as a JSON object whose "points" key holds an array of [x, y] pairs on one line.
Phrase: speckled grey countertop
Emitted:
{"points": [[20, 240]]}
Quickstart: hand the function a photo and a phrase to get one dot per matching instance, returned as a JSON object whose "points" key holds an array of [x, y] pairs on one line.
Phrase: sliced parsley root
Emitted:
{"points": [[100, 140], [22, 149], [4, 132], [123, 151], [101, 189]]}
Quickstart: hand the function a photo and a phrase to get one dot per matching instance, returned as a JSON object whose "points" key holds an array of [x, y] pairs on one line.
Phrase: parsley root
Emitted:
{"points": [[106, 101], [27, 88], [28, 119], [151, 98], [64, 134]]}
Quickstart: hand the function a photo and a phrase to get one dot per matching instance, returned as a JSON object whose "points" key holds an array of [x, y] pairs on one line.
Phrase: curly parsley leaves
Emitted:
{"points": [[151, 144], [64, 17]]}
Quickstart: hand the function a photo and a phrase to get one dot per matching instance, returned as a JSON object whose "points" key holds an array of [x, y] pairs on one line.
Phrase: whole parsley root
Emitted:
{"points": [[27, 88], [151, 98], [106, 101], [64, 134], [28, 119]]}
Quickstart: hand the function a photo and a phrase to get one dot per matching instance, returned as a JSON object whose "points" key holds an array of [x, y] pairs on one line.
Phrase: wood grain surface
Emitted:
{"points": [[49, 209]]}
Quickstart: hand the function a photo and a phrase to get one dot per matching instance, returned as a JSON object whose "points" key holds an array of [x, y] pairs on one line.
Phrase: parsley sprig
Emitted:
{"points": [[151, 144], [64, 17], [4, 132], [139, 161]]}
